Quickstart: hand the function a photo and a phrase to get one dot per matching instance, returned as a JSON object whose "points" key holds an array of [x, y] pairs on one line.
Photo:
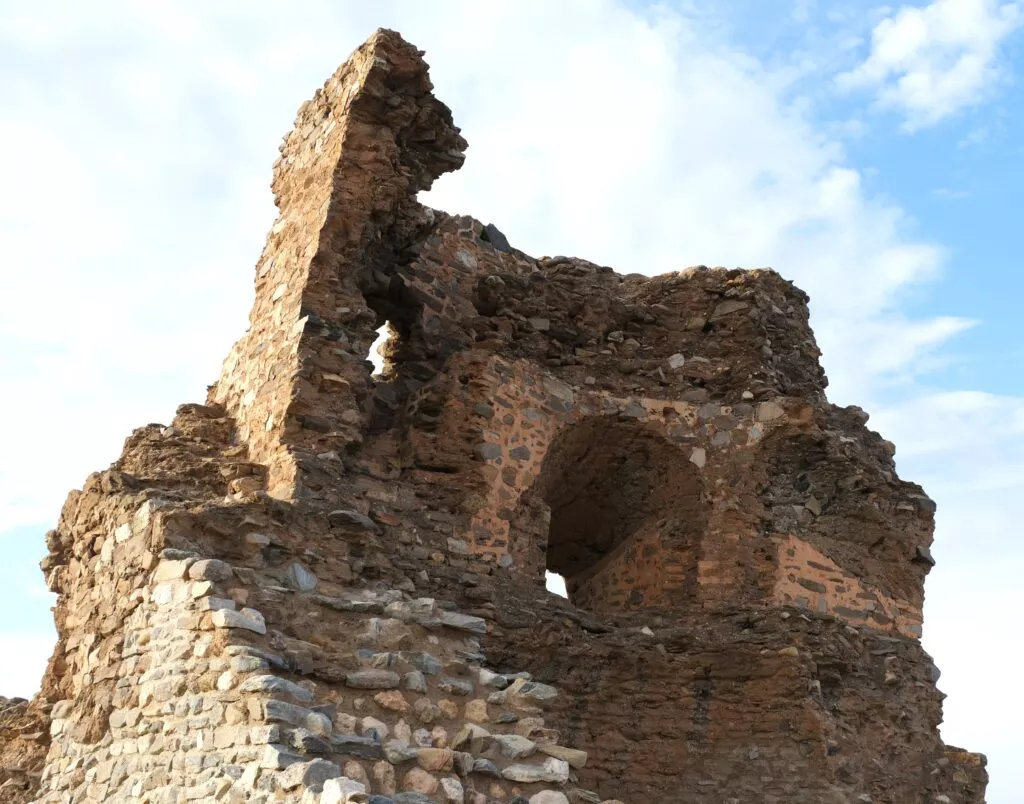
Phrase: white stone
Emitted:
{"points": [[216, 604], [313, 775], [557, 769], [676, 361], [268, 683], [467, 259], [249, 619], [163, 594], [172, 570], [698, 457], [769, 411], [202, 646], [143, 516], [514, 746], [549, 797], [371, 723], [300, 579], [532, 691], [553, 770], [263, 735], [319, 723], [464, 622], [576, 758], [452, 790], [558, 389], [491, 679], [210, 569], [343, 791], [278, 757]]}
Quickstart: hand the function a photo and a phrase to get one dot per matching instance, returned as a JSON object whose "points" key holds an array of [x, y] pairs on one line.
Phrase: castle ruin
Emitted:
{"points": [[326, 586]]}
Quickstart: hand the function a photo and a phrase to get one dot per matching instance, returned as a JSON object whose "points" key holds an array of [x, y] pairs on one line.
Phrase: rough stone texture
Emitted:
{"points": [[24, 736], [324, 586]]}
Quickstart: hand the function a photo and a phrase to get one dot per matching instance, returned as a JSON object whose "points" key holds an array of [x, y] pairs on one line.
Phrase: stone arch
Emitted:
{"points": [[619, 511]]}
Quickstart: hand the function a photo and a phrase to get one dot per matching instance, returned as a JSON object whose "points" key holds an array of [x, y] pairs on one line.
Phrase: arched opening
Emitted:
{"points": [[619, 513]]}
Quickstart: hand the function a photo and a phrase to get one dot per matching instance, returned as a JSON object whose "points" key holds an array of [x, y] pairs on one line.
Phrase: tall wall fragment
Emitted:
{"points": [[345, 186], [324, 586]]}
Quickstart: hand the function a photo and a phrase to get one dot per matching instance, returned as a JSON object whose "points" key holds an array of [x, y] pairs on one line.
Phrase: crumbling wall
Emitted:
{"points": [[203, 659], [345, 186], [773, 706], [24, 738], [325, 587]]}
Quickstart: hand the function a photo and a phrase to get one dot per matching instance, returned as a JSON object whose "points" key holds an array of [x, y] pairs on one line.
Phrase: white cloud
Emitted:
{"points": [[967, 450], [950, 194], [801, 11], [978, 431], [27, 657], [976, 136], [928, 63], [144, 133]]}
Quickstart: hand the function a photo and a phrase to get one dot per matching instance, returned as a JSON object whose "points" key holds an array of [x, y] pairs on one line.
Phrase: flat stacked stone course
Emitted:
{"points": [[325, 586]]}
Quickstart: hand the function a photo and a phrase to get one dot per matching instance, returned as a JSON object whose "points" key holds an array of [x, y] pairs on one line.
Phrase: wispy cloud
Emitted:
{"points": [[967, 449], [928, 63], [949, 194], [976, 136], [22, 677]]}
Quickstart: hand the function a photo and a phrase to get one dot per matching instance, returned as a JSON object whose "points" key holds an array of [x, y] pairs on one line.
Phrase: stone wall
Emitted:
{"points": [[345, 187], [324, 586], [24, 736], [249, 677]]}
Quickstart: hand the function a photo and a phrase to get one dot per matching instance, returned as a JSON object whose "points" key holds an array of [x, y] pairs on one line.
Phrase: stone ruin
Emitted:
{"points": [[326, 586]]}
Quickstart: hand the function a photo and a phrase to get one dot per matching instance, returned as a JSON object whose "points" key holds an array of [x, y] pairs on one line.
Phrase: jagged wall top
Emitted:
{"points": [[349, 171], [695, 350], [345, 185]]}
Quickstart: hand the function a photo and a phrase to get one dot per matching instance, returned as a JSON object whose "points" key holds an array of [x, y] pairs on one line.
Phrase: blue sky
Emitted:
{"points": [[870, 153]]}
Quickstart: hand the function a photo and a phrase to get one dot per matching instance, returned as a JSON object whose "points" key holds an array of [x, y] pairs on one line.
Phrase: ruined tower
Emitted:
{"points": [[324, 586]]}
